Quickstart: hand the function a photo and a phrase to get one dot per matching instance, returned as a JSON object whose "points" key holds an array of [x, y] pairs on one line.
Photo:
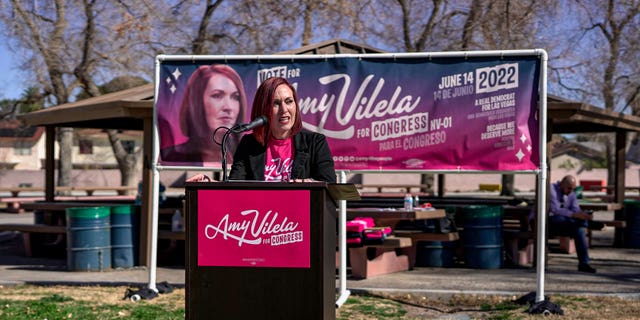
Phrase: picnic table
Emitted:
{"points": [[56, 210], [395, 214], [599, 206], [89, 190], [519, 235], [398, 252], [50, 219]]}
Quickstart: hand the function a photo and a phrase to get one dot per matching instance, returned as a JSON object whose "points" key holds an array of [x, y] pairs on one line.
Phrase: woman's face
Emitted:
{"points": [[283, 112], [221, 102]]}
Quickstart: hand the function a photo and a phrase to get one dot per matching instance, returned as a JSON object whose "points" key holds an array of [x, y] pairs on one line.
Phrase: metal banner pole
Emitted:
{"points": [[155, 182], [542, 180], [342, 246]]}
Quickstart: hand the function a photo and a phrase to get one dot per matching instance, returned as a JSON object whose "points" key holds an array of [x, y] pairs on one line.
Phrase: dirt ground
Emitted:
{"points": [[503, 307], [417, 307]]}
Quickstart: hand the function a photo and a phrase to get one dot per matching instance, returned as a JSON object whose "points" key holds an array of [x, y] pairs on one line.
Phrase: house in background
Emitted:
{"points": [[576, 155], [92, 149], [22, 154], [21, 147], [22, 161], [582, 160]]}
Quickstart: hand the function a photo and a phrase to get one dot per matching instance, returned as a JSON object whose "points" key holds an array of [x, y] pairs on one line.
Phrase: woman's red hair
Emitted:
{"points": [[263, 103]]}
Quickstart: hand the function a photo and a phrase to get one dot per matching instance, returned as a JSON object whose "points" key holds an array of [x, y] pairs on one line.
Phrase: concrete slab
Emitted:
{"points": [[618, 273]]}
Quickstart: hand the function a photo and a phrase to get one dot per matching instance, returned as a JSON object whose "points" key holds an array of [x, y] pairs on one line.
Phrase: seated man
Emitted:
{"points": [[567, 219]]}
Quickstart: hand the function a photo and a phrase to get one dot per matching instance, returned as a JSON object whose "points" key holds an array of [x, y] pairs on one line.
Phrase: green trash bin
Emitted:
{"points": [[125, 234], [482, 236], [578, 190], [435, 253], [632, 218], [88, 238]]}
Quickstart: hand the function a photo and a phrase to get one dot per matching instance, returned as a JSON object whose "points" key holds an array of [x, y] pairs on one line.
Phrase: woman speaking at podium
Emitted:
{"points": [[280, 150]]}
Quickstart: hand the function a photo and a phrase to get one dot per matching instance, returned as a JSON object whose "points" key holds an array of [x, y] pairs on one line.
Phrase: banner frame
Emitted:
{"points": [[541, 172]]}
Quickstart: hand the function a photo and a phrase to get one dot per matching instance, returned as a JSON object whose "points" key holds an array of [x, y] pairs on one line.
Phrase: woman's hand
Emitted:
{"points": [[304, 180], [199, 178]]}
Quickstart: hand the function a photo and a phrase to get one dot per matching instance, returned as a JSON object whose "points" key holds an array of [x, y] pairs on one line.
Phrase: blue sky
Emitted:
{"points": [[10, 80]]}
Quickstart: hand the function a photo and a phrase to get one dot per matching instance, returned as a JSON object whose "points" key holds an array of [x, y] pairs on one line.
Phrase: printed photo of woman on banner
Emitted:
{"points": [[390, 113], [213, 97]]}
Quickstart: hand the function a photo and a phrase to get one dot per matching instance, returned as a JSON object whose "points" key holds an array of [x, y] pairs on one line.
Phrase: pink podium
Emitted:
{"points": [[258, 250]]}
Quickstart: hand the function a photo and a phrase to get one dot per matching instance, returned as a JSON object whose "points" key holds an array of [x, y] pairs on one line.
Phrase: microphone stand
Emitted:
{"points": [[224, 154], [238, 128]]}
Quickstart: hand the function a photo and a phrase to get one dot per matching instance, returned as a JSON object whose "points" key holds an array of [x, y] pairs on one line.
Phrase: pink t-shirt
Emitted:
{"points": [[279, 160]]}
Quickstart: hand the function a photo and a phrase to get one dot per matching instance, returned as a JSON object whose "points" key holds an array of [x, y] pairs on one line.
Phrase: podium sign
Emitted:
{"points": [[254, 228], [259, 250]]}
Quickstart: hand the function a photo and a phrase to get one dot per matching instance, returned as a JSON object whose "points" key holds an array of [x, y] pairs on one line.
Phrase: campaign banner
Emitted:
{"points": [[378, 112], [254, 228]]}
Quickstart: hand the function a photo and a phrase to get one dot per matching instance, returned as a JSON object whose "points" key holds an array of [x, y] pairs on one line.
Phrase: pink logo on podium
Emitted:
{"points": [[254, 228]]}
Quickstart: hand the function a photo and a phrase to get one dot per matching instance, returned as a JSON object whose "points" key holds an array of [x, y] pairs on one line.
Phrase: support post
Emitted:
{"points": [[619, 190], [342, 246]]}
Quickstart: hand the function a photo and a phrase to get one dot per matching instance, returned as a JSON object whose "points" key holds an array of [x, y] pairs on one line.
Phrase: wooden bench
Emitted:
{"points": [[567, 244], [90, 190], [613, 223], [517, 234], [15, 191], [18, 204], [372, 260], [13, 204], [29, 228], [404, 188], [171, 235]]}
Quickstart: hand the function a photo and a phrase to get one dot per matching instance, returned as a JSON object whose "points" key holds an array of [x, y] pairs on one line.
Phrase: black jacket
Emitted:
{"points": [[312, 159]]}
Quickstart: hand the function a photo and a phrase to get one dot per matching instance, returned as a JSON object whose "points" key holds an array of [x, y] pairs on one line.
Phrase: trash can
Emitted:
{"points": [[125, 234], [88, 238], [482, 236], [435, 253], [632, 218]]}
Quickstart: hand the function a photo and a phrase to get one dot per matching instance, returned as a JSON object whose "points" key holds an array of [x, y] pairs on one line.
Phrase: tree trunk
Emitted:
{"points": [[128, 163], [611, 170], [508, 183]]}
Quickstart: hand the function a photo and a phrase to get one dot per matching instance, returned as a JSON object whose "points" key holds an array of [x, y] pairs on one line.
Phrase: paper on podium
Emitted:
{"points": [[343, 191]]}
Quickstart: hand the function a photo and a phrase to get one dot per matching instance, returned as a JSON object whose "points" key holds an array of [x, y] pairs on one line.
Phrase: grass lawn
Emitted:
{"points": [[94, 302]]}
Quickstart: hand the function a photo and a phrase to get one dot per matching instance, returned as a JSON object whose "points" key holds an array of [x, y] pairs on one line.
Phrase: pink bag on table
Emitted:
{"points": [[355, 229], [358, 224], [377, 233]]}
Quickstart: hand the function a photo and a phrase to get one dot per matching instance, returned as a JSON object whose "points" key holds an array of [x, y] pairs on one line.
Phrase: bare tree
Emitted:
{"points": [[199, 42], [608, 67], [73, 45], [407, 26], [503, 25], [329, 19], [473, 19], [43, 33]]}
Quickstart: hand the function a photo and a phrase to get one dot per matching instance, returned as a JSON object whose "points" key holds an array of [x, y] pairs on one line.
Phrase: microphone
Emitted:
{"points": [[257, 122]]}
